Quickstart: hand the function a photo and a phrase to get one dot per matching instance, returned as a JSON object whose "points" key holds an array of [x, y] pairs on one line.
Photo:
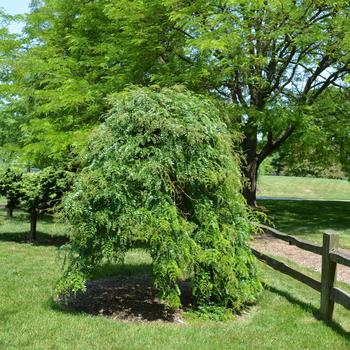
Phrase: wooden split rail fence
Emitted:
{"points": [[331, 256]]}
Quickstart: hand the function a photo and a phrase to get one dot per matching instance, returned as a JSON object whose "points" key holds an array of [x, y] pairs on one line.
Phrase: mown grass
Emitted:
{"points": [[285, 317], [17, 228], [310, 219], [303, 187]]}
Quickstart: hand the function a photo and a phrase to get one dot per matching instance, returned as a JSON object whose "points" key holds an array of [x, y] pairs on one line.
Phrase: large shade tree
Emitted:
{"points": [[270, 59]]}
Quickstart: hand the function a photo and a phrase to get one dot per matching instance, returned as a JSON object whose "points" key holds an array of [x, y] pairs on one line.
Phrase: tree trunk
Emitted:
{"points": [[33, 221], [253, 159], [250, 167], [9, 212], [250, 172]]}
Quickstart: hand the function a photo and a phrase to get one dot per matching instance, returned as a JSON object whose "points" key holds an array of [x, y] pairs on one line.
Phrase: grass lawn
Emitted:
{"points": [[303, 187], [284, 317], [309, 219]]}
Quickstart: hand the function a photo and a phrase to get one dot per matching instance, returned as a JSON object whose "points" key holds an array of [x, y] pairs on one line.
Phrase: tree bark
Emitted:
{"points": [[9, 207], [9, 212], [253, 159], [249, 188], [250, 167], [33, 221]]}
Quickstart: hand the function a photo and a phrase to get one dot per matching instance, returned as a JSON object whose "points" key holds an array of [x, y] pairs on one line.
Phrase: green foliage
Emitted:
{"points": [[44, 189], [60, 72], [161, 171], [322, 147], [212, 313], [10, 185], [271, 60], [268, 167], [308, 168], [10, 118]]}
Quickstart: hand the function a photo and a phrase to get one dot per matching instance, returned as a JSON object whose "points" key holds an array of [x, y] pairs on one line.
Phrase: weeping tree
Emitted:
{"points": [[10, 187], [161, 171]]}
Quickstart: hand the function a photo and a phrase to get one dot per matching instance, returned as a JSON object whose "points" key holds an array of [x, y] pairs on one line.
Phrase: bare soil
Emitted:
{"points": [[127, 298], [272, 246]]}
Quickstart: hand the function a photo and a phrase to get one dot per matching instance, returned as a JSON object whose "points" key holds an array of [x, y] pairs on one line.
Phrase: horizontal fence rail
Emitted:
{"points": [[331, 256], [300, 243], [281, 267], [340, 258]]}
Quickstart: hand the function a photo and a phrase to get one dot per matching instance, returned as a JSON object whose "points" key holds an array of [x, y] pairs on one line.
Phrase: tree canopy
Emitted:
{"points": [[10, 186], [268, 60], [161, 171]]}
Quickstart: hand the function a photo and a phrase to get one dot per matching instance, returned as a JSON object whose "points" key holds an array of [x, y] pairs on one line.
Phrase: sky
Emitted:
{"points": [[15, 7]]}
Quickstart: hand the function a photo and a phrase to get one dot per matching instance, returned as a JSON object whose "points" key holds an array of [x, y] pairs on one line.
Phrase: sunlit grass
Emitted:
{"points": [[303, 187]]}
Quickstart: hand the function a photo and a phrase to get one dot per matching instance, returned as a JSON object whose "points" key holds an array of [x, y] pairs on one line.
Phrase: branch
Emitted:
{"points": [[273, 145], [331, 80], [184, 58], [323, 64]]}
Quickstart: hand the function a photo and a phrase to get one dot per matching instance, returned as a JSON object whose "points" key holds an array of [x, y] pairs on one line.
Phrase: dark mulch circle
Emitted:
{"points": [[127, 298]]}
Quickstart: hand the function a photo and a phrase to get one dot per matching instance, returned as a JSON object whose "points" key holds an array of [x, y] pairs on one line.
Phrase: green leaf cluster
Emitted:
{"points": [[160, 171], [43, 190], [10, 185]]}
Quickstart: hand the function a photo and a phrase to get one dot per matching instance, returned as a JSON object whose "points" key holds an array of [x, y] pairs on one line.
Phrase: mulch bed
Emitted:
{"points": [[126, 298]]}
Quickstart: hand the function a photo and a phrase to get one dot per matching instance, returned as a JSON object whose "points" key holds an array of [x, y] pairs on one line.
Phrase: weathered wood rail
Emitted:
{"points": [[331, 256]]}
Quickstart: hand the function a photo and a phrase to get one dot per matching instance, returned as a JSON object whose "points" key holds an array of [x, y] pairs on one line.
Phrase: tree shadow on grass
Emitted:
{"points": [[335, 326], [43, 239], [305, 216], [23, 219], [125, 297]]}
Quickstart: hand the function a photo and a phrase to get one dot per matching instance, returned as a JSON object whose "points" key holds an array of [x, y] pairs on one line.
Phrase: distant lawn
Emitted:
{"points": [[303, 187], [285, 317]]}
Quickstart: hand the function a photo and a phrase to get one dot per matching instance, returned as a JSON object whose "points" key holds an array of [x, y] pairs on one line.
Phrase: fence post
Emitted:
{"points": [[330, 243]]}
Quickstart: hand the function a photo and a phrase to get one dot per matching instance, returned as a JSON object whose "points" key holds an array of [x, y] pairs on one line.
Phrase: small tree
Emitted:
{"points": [[42, 191], [10, 187], [161, 171]]}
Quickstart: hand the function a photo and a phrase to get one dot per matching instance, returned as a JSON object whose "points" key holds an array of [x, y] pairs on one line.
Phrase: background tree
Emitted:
{"points": [[10, 186], [271, 59], [42, 191], [323, 150], [161, 171], [10, 120], [64, 67]]}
